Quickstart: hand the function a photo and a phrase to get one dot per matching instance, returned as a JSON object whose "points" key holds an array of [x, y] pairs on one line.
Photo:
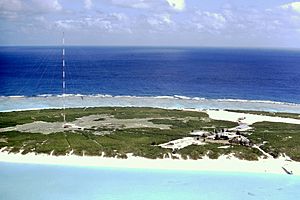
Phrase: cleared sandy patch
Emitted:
{"points": [[91, 122], [37, 127], [182, 143], [247, 118]]}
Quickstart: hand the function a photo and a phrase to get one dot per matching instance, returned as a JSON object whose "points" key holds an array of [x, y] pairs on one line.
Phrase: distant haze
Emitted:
{"points": [[235, 23]]}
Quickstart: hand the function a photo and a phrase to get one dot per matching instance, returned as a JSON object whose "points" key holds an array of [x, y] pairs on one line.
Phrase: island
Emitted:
{"points": [[154, 135]]}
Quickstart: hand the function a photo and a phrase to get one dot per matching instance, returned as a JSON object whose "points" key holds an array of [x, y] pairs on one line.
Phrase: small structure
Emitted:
{"points": [[234, 135], [69, 126], [201, 133], [289, 172], [242, 140]]}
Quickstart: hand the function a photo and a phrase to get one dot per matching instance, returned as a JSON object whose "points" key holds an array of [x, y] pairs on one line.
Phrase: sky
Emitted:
{"points": [[222, 23]]}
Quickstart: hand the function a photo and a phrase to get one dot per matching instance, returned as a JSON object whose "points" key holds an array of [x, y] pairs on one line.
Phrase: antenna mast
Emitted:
{"points": [[63, 78]]}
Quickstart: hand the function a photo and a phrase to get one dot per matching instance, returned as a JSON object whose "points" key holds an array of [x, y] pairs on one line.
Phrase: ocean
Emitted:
{"points": [[43, 182], [210, 73]]}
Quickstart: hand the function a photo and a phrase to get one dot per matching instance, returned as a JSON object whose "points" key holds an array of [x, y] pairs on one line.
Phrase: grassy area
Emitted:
{"points": [[55, 115], [272, 114], [142, 141], [280, 137]]}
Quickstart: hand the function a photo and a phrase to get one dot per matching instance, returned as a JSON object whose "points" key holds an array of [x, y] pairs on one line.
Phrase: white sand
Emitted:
{"points": [[181, 143], [223, 164], [249, 118]]}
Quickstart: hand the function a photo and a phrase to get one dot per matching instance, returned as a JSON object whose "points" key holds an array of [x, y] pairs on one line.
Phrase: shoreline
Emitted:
{"points": [[222, 164], [175, 97], [8, 104]]}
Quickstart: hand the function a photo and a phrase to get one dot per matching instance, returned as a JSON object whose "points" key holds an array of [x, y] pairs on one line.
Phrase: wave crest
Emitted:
{"points": [[175, 97]]}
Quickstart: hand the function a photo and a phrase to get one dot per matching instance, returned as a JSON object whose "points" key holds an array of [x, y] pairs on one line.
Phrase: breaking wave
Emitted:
{"points": [[46, 101], [157, 97]]}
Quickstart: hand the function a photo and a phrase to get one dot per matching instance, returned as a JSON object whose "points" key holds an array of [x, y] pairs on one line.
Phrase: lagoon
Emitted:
{"points": [[43, 182]]}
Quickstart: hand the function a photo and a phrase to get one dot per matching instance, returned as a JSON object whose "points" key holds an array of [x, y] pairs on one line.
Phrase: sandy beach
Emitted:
{"points": [[222, 164], [248, 118]]}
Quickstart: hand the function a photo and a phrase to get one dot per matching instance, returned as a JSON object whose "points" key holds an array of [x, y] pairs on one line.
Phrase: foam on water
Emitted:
{"points": [[170, 102]]}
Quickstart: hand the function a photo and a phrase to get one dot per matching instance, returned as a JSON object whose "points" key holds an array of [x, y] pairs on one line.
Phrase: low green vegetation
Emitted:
{"points": [[143, 141], [213, 151], [55, 115], [278, 138]]}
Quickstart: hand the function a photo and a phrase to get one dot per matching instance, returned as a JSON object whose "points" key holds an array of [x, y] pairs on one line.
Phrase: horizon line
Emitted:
{"points": [[154, 46]]}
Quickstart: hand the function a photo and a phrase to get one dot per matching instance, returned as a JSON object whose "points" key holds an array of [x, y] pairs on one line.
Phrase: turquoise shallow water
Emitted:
{"points": [[39, 182]]}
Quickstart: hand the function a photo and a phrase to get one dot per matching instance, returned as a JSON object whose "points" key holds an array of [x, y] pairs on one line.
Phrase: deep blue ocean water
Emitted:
{"points": [[45, 182], [215, 73]]}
